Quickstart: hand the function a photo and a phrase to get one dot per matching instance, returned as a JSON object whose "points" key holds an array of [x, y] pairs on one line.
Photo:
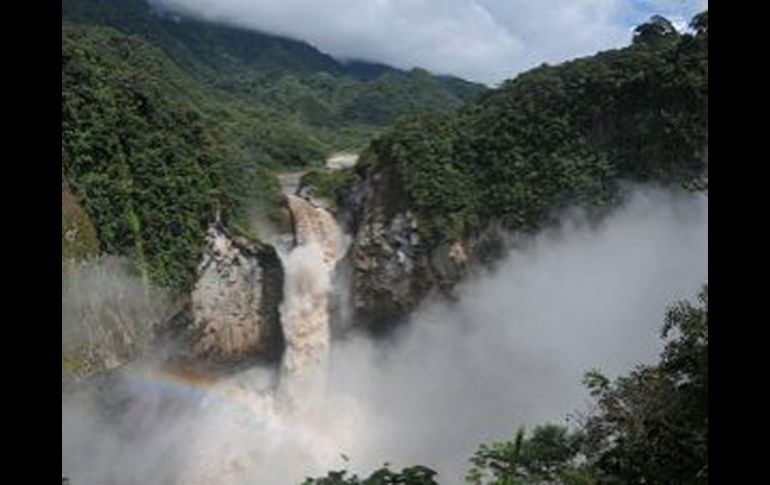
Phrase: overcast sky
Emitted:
{"points": [[480, 40]]}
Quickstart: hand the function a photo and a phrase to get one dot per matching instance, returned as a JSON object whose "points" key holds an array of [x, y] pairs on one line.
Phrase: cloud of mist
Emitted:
{"points": [[108, 310], [510, 351]]}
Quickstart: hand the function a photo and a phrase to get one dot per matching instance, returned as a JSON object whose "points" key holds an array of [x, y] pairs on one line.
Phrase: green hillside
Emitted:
{"points": [[557, 135], [165, 120]]}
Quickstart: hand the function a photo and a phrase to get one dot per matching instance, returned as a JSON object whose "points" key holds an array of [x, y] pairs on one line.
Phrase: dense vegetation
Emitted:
{"points": [[330, 185], [165, 122], [137, 157], [328, 104], [559, 135], [166, 119], [650, 426]]}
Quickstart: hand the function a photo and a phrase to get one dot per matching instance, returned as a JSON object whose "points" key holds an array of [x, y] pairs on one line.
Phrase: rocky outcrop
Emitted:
{"points": [[232, 315], [390, 268]]}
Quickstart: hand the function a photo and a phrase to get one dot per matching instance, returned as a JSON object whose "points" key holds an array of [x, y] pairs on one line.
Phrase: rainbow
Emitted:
{"points": [[190, 385]]}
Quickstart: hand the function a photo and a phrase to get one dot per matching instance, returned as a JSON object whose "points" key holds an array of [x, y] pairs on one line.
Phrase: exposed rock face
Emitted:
{"points": [[234, 305], [391, 269]]}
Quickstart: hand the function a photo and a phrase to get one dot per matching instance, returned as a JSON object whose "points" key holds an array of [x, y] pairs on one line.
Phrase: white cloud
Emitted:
{"points": [[483, 40]]}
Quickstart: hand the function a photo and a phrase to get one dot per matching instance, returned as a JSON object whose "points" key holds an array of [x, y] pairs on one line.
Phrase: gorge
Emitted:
{"points": [[276, 264], [422, 395]]}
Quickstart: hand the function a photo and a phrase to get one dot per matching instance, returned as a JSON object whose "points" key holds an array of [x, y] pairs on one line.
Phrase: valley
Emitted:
{"points": [[278, 264]]}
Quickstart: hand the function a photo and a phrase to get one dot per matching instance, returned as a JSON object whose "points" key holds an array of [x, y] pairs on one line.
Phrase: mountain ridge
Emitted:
{"points": [[173, 31]]}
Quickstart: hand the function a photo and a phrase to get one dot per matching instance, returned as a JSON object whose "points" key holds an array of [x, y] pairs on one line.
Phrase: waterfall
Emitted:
{"points": [[243, 427], [286, 421], [308, 268]]}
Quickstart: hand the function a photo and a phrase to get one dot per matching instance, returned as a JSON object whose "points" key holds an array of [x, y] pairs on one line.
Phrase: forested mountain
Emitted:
{"points": [[559, 134], [286, 74], [434, 187], [165, 117], [197, 349]]}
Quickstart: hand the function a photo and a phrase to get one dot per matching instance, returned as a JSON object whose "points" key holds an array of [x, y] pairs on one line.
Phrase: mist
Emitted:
{"points": [[510, 351], [108, 309]]}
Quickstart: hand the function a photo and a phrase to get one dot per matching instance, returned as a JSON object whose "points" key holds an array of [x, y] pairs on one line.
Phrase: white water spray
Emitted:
{"points": [[510, 351], [305, 309]]}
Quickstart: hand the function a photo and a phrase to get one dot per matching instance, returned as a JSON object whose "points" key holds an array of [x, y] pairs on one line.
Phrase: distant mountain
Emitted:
{"points": [[224, 55]]}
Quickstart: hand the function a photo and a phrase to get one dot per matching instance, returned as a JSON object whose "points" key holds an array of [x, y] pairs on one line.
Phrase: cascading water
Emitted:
{"points": [[305, 309], [287, 416], [244, 428]]}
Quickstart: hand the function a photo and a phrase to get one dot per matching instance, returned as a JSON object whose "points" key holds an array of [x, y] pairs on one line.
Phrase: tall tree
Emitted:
{"points": [[652, 425]]}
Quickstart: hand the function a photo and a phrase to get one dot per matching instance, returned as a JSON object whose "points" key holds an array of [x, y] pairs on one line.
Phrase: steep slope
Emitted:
{"points": [[135, 153], [232, 315], [431, 193]]}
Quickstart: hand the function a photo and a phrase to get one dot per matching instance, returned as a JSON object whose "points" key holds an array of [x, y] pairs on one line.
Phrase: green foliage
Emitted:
{"points": [[289, 76], [700, 23], [165, 119], [329, 184], [136, 155], [555, 136], [657, 30], [390, 96], [548, 456], [652, 425], [442, 187], [415, 475]]}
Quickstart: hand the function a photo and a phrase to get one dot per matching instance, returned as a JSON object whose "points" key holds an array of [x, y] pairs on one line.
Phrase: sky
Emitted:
{"points": [[481, 40]]}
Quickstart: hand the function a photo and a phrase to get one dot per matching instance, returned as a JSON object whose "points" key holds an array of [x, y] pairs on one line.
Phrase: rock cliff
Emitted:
{"points": [[232, 315], [390, 269]]}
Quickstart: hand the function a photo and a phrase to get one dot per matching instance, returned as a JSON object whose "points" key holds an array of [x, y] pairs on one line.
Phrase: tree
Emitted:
{"points": [[649, 427], [654, 31], [652, 425], [700, 24], [550, 455]]}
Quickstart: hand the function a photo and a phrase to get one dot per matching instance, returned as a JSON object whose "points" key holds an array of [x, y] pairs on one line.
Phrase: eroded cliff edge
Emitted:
{"points": [[231, 316]]}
